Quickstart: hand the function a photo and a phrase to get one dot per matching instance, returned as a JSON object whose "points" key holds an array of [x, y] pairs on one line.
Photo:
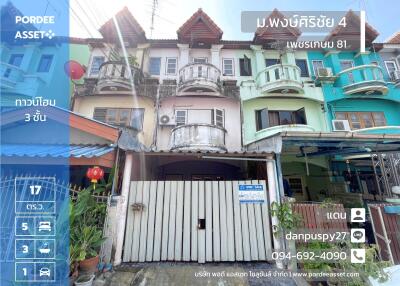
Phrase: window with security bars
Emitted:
{"points": [[360, 120], [129, 117]]}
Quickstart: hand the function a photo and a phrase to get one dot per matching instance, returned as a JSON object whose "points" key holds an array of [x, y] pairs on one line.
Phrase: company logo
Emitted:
{"points": [[35, 34]]}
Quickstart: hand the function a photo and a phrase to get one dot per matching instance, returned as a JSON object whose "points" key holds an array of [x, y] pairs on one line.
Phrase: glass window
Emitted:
{"points": [[355, 122], [227, 67], [379, 118], [45, 63], [366, 119], [317, 64], [15, 60], [300, 116], [347, 65], [171, 66], [218, 117], [96, 63], [271, 62], [200, 60], [155, 66], [111, 116], [245, 66], [285, 117], [136, 120], [261, 119], [340, 115], [391, 68], [180, 117], [273, 117], [302, 64]]}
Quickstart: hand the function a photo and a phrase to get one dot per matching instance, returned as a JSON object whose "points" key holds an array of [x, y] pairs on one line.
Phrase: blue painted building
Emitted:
{"points": [[360, 95]]}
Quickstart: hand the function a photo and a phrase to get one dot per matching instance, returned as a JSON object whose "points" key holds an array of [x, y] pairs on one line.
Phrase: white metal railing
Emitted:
{"points": [[395, 76], [274, 74], [360, 74], [197, 136], [199, 71], [115, 70]]}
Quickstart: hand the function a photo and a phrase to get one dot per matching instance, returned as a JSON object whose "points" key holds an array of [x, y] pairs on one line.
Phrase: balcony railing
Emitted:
{"points": [[280, 78], [199, 78], [117, 76], [395, 77], [198, 137], [10, 75], [365, 79]]}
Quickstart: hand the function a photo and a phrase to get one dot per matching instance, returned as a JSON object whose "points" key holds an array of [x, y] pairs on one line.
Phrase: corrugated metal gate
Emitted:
{"points": [[195, 221]]}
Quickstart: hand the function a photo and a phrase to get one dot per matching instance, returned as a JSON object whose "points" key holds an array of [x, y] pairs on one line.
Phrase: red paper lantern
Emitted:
{"points": [[95, 174]]}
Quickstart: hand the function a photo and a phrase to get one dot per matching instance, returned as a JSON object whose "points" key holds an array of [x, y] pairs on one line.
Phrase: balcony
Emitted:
{"points": [[116, 76], [10, 75], [280, 78], [363, 80], [199, 79], [17, 81], [197, 137]]}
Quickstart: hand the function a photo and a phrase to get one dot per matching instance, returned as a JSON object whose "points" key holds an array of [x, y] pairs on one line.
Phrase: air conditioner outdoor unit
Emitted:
{"points": [[324, 72], [341, 125], [166, 120]]}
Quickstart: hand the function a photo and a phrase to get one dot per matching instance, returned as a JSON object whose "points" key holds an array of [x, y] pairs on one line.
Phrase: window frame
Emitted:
{"points": [[387, 70], [292, 117], [314, 66], [258, 119], [176, 116], [360, 119], [306, 66], [91, 74], [128, 122], [223, 66], [214, 120], [240, 70], [48, 66], [166, 65], [200, 58], [159, 68], [278, 61]]}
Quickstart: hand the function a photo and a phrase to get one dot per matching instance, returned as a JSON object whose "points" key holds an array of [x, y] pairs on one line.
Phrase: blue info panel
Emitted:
{"points": [[35, 94]]}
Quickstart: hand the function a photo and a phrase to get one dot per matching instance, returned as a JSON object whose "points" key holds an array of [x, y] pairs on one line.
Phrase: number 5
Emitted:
{"points": [[24, 226]]}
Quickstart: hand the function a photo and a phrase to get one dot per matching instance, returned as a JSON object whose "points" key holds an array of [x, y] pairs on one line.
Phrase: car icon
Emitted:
{"points": [[44, 226], [44, 271]]}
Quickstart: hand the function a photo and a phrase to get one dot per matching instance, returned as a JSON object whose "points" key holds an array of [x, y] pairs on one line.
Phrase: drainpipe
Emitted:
{"points": [[122, 208], [274, 196]]}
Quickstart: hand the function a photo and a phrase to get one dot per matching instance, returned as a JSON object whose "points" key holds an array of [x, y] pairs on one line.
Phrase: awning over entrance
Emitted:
{"points": [[332, 143], [79, 154]]}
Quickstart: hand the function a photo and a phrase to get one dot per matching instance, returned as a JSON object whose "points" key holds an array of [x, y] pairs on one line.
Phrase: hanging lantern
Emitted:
{"points": [[94, 174]]}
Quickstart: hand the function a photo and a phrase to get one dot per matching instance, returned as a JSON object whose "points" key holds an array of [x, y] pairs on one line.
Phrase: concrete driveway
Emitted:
{"points": [[221, 274]]}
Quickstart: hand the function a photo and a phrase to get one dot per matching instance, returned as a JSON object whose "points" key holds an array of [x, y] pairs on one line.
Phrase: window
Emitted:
{"points": [[171, 66], [227, 67], [155, 66], [45, 63], [200, 60], [359, 120], [245, 66], [130, 117], [217, 117], [317, 64], [302, 64], [15, 60], [261, 119], [271, 62], [285, 117], [96, 63], [347, 65], [180, 117], [391, 68]]}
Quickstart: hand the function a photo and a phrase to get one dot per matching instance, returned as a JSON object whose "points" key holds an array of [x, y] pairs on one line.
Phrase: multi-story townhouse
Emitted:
{"points": [[34, 72]]}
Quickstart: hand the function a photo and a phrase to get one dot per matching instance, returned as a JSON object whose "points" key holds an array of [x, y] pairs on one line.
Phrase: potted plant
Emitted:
{"points": [[91, 239]]}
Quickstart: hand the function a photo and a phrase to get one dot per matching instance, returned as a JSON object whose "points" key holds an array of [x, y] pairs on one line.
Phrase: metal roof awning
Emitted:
{"points": [[54, 150], [330, 143]]}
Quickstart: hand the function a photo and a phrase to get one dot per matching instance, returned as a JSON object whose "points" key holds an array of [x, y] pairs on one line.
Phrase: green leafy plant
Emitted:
{"points": [[287, 219]]}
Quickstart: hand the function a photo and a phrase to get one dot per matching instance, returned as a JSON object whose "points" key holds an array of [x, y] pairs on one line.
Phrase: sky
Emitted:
{"points": [[86, 16]]}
